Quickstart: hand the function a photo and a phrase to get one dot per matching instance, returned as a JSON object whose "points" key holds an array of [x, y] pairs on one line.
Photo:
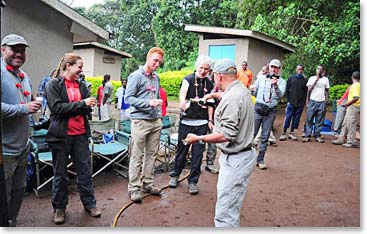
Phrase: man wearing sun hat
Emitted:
{"points": [[233, 133], [269, 89], [16, 105]]}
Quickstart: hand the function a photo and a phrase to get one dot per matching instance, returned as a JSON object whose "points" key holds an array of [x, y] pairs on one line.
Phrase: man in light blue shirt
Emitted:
{"points": [[269, 89]]}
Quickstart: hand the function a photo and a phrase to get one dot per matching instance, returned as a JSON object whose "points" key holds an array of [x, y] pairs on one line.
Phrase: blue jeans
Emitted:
{"points": [[266, 123], [315, 110], [292, 114], [196, 151], [77, 147]]}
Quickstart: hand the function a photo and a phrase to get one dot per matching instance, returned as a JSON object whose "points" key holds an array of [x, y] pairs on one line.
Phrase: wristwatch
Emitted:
{"points": [[201, 140]]}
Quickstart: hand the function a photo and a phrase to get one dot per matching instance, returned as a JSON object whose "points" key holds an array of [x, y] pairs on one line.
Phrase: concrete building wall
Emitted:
{"points": [[241, 45], [46, 31], [260, 53], [88, 56], [107, 64]]}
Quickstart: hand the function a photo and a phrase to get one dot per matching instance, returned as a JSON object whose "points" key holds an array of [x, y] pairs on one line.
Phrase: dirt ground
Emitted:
{"points": [[305, 185]]}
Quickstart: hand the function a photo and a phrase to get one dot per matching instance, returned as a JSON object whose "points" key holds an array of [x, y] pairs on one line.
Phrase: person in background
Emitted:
{"points": [[211, 152], [268, 91], [41, 92], [142, 94], [163, 95], [100, 94], [196, 120], [107, 98], [233, 132], [121, 105], [351, 117], [340, 112], [68, 134], [16, 106], [317, 98], [245, 75], [272, 140], [296, 93]]}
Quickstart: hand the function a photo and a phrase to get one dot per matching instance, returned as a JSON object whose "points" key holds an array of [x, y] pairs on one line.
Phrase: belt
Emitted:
{"points": [[247, 148]]}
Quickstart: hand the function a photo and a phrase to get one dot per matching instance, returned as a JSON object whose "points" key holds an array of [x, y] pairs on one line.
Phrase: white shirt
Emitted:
{"points": [[318, 92]]}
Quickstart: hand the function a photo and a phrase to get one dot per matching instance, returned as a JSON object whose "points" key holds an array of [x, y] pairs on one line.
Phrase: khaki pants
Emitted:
{"points": [[145, 135], [349, 127]]}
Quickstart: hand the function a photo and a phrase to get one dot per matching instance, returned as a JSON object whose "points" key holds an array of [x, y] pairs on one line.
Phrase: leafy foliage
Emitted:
{"points": [[97, 82], [171, 81], [323, 32], [337, 91]]}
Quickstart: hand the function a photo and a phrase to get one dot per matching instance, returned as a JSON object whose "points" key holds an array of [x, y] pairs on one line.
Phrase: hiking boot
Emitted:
{"points": [[173, 182], [319, 140], [292, 137], [337, 142], [152, 189], [261, 165], [94, 212], [193, 188], [136, 196], [59, 216], [282, 137], [306, 139], [349, 145], [212, 169]]}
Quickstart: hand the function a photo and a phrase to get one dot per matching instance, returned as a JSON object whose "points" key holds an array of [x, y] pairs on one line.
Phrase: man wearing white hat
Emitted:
{"points": [[268, 90], [16, 105]]}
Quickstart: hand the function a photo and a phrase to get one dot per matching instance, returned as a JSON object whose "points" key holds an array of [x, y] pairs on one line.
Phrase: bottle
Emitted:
{"points": [[202, 102]]}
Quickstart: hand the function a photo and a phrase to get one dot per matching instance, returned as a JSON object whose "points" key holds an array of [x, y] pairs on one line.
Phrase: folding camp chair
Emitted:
{"points": [[42, 159], [114, 153], [167, 140]]}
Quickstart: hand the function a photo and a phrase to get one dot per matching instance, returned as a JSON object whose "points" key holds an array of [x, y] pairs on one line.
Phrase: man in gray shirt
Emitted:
{"points": [[233, 133], [16, 105], [142, 93]]}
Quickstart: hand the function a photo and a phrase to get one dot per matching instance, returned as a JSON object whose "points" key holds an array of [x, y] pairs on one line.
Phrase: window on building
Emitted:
{"points": [[222, 51]]}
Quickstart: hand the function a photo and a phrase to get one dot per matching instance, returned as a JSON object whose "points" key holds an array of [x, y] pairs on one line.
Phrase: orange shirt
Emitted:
{"points": [[245, 77]]}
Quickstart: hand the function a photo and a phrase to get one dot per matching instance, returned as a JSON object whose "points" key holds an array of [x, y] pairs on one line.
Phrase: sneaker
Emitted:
{"points": [[272, 142], [319, 140], [349, 145], [193, 188], [173, 182], [152, 189], [212, 169], [292, 137], [337, 142], [306, 139], [59, 216], [261, 166], [282, 137], [94, 212], [303, 134], [136, 196]]}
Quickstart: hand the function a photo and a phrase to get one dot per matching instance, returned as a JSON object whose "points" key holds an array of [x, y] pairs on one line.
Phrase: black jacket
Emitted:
{"points": [[296, 90], [195, 111], [61, 109]]}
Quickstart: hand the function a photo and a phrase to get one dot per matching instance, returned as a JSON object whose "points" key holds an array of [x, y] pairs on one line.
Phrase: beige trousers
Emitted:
{"points": [[349, 127], [145, 135]]}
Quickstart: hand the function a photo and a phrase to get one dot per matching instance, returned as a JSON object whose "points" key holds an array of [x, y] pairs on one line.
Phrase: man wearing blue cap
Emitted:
{"points": [[233, 133], [16, 105]]}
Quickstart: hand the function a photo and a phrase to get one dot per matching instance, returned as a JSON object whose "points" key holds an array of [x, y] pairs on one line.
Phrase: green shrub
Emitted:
{"points": [[171, 81], [97, 81], [337, 91]]}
